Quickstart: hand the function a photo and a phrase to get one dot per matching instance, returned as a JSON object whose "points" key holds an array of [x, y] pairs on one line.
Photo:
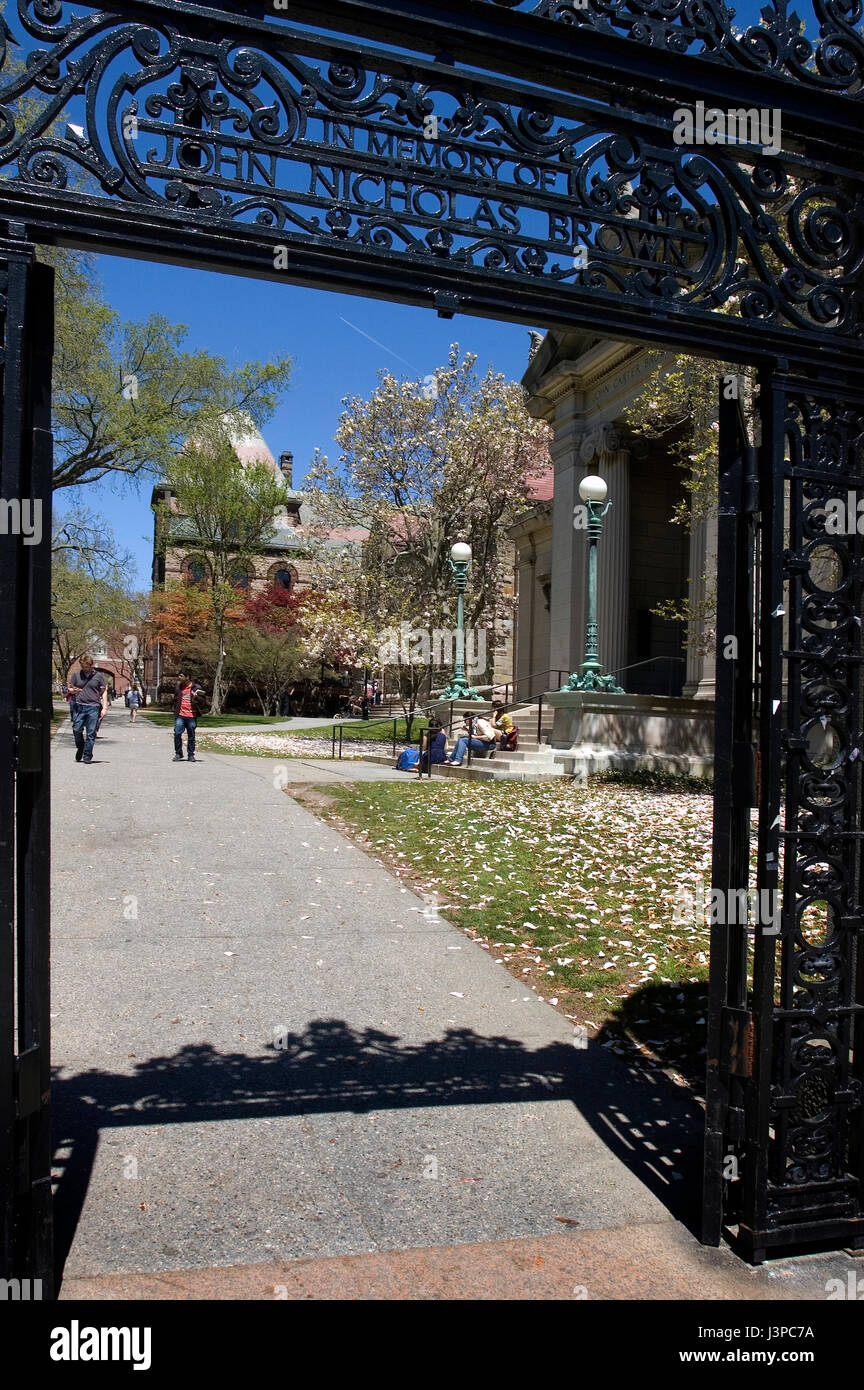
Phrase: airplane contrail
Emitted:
{"points": [[376, 342]]}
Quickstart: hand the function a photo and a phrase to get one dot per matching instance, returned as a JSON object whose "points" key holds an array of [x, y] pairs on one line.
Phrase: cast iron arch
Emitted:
{"points": [[524, 160]]}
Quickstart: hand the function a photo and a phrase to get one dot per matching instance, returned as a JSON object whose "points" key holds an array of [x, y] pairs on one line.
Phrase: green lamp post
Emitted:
{"points": [[590, 675], [459, 689]]}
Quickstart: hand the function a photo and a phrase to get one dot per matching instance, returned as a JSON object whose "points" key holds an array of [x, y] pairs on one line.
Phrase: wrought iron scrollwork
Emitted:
{"points": [[816, 1093], [307, 142], [779, 45]]}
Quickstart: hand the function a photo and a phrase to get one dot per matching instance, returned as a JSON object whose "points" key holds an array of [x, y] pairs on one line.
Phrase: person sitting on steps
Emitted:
{"points": [[434, 748], [503, 726], [483, 739]]}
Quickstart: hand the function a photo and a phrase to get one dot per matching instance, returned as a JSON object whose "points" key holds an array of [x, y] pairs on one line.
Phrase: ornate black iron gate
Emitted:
{"points": [[783, 1156], [529, 160], [26, 316]]}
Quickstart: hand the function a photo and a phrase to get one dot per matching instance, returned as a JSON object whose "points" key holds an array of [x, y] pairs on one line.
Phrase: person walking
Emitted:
{"points": [[88, 690], [187, 695], [133, 700]]}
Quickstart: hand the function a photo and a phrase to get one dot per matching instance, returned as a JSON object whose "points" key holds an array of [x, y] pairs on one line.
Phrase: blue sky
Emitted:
{"points": [[243, 319]]}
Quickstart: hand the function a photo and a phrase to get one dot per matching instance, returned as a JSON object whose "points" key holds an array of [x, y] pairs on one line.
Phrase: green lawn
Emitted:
{"points": [[371, 731], [571, 887], [367, 732]]}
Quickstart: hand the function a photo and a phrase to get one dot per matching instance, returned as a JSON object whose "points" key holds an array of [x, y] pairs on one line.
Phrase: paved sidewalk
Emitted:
{"points": [[270, 1051], [661, 1262]]}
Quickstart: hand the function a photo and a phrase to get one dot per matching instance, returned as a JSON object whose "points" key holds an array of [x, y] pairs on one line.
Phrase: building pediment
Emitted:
{"points": [[593, 375]]}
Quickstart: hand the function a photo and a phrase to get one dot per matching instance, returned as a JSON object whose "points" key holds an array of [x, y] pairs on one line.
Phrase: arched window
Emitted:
{"points": [[284, 578], [240, 577], [195, 572]]}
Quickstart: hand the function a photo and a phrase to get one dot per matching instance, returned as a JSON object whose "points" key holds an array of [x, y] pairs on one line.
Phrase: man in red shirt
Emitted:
{"points": [[187, 696]]}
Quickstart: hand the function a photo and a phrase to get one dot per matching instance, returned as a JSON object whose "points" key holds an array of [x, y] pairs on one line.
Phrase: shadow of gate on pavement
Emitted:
{"points": [[652, 1126]]}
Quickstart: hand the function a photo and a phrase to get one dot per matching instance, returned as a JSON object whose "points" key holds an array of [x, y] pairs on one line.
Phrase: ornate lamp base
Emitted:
{"points": [[460, 690], [592, 678]]}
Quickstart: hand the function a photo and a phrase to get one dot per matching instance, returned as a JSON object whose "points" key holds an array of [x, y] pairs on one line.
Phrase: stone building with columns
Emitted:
{"points": [[580, 384]]}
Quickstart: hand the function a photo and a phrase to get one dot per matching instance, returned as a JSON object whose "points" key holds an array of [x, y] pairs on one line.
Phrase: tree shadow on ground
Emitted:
{"points": [[651, 1125], [669, 1021]]}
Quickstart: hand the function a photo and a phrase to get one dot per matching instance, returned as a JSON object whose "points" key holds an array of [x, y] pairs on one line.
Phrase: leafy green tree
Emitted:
{"points": [[225, 509], [84, 608], [126, 395]]}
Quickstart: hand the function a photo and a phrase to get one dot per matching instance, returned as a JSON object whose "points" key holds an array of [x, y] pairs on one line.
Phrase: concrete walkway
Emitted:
{"points": [[267, 1051]]}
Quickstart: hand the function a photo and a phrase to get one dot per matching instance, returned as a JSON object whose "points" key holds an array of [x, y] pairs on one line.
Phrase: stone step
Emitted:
{"points": [[493, 770], [521, 754], [489, 769]]}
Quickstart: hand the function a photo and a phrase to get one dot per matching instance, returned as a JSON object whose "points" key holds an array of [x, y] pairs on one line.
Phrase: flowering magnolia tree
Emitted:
{"points": [[335, 630], [425, 462]]}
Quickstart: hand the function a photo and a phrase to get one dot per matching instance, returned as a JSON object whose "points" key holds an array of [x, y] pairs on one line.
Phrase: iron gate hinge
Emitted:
{"points": [[738, 1040], [750, 491], [30, 728], [28, 1082]]}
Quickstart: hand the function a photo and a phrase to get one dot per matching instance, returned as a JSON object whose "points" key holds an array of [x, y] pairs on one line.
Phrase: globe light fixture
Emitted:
{"points": [[593, 489], [460, 553], [459, 689], [590, 676]]}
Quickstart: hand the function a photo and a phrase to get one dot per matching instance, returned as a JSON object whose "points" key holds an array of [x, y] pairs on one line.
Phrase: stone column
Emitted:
{"points": [[569, 549], [703, 560], [613, 560]]}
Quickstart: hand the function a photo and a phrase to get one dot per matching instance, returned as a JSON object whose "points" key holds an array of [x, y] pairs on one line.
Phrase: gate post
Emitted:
{"points": [[26, 323], [786, 1024]]}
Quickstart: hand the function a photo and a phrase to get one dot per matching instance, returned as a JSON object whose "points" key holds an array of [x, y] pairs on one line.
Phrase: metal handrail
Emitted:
{"points": [[682, 660], [368, 723], [649, 661], [548, 672]]}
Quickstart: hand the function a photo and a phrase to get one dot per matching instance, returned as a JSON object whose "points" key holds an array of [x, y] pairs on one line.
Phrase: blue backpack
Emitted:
{"points": [[408, 759]]}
